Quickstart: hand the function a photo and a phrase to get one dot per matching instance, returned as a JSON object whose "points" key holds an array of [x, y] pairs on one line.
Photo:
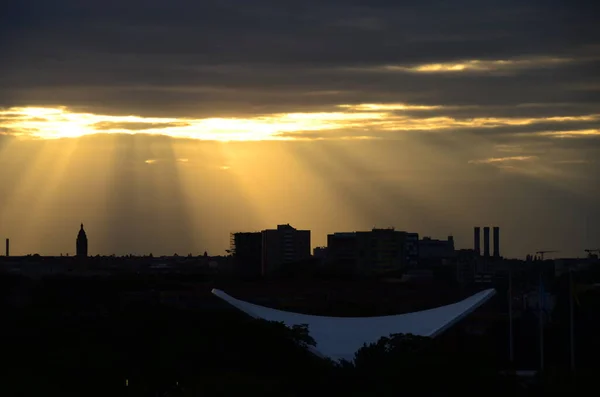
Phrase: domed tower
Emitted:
{"points": [[82, 243]]}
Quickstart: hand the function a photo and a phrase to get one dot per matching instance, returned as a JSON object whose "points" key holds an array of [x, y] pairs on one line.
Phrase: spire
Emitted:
{"points": [[81, 243], [81, 232]]}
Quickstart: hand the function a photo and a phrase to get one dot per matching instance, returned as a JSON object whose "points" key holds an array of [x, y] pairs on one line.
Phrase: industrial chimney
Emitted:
{"points": [[496, 242], [486, 241], [7, 247], [477, 240]]}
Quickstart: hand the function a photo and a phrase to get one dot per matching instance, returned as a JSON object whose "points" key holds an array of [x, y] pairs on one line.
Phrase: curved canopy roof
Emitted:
{"points": [[340, 337]]}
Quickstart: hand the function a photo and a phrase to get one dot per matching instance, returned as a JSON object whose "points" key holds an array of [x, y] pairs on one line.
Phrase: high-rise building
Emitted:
{"points": [[386, 250], [82, 243], [411, 248], [282, 246], [342, 252]]}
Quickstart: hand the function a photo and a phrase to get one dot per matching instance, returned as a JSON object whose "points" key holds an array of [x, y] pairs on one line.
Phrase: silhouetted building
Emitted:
{"points": [[466, 265], [496, 242], [380, 251], [246, 249], [373, 252], [477, 240], [486, 241], [563, 265], [436, 250], [411, 248], [282, 246], [320, 253], [82, 243], [7, 247], [342, 252]]}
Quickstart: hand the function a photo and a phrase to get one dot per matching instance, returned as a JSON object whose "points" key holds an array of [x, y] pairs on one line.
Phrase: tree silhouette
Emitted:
{"points": [[425, 366]]}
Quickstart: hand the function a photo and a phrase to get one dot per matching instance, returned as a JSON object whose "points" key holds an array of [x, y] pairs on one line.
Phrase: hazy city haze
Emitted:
{"points": [[164, 126]]}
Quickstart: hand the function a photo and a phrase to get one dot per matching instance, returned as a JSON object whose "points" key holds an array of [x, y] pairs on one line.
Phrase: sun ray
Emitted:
{"points": [[351, 204], [172, 198], [37, 189]]}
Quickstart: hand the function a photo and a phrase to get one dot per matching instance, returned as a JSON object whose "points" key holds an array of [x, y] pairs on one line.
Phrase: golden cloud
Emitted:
{"points": [[496, 160], [361, 119], [569, 134], [475, 65]]}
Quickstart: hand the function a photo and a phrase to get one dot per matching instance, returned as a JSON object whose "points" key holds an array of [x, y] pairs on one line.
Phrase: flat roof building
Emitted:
{"points": [[282, 246]]}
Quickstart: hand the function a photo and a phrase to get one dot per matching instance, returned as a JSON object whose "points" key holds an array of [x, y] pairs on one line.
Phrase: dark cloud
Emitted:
{"points": [[262, 55], [196, 91], [525, 111], [540, 127], [492, 134]]}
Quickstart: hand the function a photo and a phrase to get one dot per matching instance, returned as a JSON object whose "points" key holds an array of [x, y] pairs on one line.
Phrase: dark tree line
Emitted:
{"points": [[75, 338]]}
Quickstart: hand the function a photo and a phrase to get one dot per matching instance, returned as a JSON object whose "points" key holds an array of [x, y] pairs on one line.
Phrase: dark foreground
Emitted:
{"points": [[74, 337]]}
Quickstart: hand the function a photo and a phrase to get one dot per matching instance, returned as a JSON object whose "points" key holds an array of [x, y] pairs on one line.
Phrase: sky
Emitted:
{"points": [[164, 126]]}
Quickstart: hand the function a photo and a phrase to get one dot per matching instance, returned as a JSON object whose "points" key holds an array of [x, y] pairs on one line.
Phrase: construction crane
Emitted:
{"points": [[541, 253]]}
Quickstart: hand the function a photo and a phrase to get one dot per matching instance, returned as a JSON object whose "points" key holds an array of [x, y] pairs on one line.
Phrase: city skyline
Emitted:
{"points": [[483, 243], [283, 196], [166, 126]]}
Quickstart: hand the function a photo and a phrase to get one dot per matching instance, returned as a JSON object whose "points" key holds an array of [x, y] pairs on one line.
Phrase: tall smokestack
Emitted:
{"points": [[486, 241], [496, 242], [7, 247], [477, 240]]}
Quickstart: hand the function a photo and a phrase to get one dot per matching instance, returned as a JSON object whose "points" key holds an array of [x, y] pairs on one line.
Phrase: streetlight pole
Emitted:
{"points": [[571, 320], [541, 315], [510, 318]]}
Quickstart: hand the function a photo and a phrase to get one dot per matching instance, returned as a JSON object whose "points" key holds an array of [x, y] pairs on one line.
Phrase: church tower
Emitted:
{"points": [[82, 243]]}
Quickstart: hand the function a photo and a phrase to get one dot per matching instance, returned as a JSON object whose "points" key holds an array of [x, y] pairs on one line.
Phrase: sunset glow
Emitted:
{"points": [[60, 122], [165, 126]]}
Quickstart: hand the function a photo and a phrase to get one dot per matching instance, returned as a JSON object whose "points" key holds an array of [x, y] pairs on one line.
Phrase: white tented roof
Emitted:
{"points": [[340, 337]]}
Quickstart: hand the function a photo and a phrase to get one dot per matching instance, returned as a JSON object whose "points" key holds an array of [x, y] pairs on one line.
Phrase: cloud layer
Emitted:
{"points": [[233, 56], [360, 121], [220, 59]]}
